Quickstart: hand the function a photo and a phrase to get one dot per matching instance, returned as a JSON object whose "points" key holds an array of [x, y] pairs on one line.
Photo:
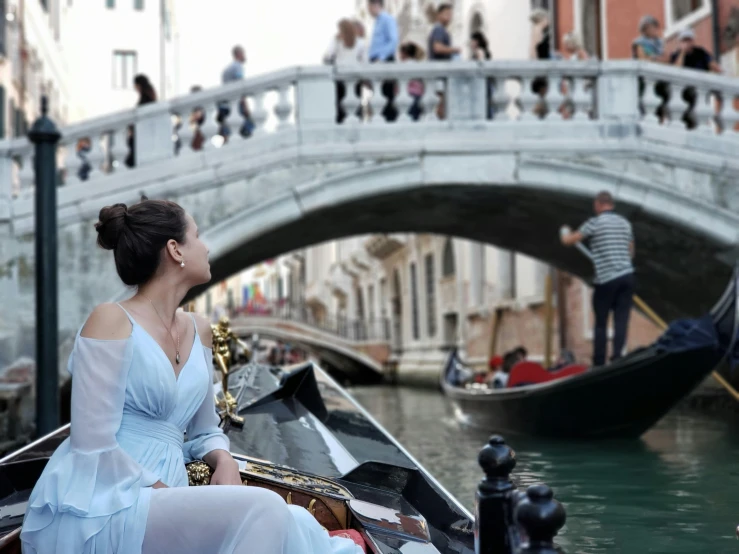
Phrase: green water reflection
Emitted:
{"points": [[672, 491]]}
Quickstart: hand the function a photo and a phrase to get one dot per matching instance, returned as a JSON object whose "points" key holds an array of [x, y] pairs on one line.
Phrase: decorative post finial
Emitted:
{"points": [[44, 106], [541, 517], [495, 531]]}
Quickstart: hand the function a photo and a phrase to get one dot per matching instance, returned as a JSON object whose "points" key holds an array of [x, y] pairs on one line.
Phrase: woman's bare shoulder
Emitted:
{"points": [[107, 322], [204, 330]]}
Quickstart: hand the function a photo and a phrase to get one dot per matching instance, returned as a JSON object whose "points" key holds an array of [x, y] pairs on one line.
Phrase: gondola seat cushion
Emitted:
{"points": [[528, 373], [350, 534], [531, 373]]}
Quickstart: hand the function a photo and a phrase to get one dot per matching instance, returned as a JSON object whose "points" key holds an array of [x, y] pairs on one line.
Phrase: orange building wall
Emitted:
{"points": [[565, 20], [622, 22]]}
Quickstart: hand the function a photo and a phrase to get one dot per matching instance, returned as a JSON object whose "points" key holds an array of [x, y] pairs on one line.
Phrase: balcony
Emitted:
{"points": [[383, 246]]}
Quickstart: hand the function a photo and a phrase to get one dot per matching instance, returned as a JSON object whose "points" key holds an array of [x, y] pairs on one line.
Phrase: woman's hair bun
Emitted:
{"points": [[112, 221]]}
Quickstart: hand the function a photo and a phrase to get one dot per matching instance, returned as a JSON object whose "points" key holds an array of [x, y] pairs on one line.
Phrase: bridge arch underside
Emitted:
{"points": [[681, 269], [342, 363]]}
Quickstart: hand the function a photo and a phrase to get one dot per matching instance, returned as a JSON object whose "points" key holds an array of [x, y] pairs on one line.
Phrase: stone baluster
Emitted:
{"points": [[503, 100], [650, 101], [555, 100], [259, 114], [210, 127], [6, 184], [729, 113], [351, 103], [72, 163], [540, 517], [26, 176], [703, 111], [284, 107], [581, 95], [494, 524], [676, 107], [430, 100], [186, 132], [403, 101], [528, 100], [96, 157], [235, 119], [377, 102], [119, 148]]}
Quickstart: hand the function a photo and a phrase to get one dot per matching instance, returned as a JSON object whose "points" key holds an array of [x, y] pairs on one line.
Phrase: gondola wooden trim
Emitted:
{"points": [[10, 538]]}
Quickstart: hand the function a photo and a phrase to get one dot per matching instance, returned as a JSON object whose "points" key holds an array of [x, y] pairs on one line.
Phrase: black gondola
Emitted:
{"points": [[622, 399], [325, 453]]}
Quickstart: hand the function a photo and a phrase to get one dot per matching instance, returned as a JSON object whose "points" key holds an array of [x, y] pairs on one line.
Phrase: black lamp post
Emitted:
{"points": [[45, 136]]}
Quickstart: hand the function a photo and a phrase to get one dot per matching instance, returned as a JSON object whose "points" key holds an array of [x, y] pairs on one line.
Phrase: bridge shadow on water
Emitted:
{"points": [[672, 491]]}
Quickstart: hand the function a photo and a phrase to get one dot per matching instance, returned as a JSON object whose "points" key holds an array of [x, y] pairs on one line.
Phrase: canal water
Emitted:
{"points": [[673, 491]]}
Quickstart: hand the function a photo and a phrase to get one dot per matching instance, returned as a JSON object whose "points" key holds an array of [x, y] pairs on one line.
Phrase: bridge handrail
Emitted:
{"points": [[353, 329], [274, 79], [607, 90]]}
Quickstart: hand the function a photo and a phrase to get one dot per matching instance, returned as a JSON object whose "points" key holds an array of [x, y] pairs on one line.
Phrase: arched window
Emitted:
{"points": [[447, 262]]}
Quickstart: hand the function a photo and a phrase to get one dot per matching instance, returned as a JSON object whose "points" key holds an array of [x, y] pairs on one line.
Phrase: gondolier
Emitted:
{"points": [[611, 242]]}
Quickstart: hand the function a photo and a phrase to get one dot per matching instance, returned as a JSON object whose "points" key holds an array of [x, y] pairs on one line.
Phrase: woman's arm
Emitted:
{"points": [[206, 439], [203, 432], [99, 364]]}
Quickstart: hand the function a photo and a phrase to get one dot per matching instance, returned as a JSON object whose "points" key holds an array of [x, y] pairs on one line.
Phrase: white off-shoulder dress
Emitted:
{"points": [[129, 414]]}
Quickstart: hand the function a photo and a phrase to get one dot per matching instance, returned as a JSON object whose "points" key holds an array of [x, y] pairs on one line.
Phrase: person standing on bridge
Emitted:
{"points": [[612, 246], [234, 72], [382, 49]]}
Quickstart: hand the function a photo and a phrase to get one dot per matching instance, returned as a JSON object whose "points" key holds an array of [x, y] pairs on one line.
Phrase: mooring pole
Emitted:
{"points": [[45, 136]]}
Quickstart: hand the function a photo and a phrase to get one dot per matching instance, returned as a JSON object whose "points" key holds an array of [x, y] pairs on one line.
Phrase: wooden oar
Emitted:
{"points": [[654, 318]]}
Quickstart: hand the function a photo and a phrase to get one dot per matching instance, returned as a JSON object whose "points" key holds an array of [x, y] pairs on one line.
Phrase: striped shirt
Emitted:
{"points": [[609, 236]]}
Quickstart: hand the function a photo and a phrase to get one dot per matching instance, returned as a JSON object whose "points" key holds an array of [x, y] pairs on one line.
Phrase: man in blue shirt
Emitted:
{"points": [[234, 72], [382, 49]]}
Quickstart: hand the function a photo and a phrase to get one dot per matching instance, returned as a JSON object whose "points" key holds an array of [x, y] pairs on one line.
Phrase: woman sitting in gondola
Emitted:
{"points": [[142, 374]]}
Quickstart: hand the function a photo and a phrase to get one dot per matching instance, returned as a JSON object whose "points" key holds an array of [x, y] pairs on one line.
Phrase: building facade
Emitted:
{"points": [[82, 55], [436, 292], [431, 293], [32, 64], [608, 28], [108, 42]]}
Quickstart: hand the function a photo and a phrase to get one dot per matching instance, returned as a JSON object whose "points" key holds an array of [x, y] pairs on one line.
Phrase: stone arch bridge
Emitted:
{"points": [[504, 166]]}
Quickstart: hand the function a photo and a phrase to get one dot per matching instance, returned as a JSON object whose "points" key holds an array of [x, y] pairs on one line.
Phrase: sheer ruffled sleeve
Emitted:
{"points": [[94, 476], [203, 433], [99, 371]]}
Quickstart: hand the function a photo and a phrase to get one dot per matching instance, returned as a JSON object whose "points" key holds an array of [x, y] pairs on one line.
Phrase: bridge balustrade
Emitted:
{"points": [[300, 104]]}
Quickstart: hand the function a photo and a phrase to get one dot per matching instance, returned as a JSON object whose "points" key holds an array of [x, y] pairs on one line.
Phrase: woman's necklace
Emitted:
{"points": [[169, 331]]}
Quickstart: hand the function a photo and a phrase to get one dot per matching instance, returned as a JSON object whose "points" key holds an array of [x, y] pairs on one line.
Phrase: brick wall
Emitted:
{"points": [[527, 327]]}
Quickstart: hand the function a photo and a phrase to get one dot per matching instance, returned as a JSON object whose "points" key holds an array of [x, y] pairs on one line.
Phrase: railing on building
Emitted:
{"points": [[376, 329], [497, 93]]}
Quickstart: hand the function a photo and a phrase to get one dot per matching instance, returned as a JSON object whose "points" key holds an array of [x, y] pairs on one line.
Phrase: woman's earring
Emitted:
{"points": [[182, 263]]}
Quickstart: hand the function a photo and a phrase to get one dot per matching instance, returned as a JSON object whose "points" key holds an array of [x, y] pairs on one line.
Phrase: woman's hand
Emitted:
{"points": [[226, 473], [227, 470], [159, 485]]}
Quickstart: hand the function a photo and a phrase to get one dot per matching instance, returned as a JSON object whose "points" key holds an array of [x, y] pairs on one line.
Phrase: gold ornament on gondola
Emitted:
{"points": [[222, 337]]}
